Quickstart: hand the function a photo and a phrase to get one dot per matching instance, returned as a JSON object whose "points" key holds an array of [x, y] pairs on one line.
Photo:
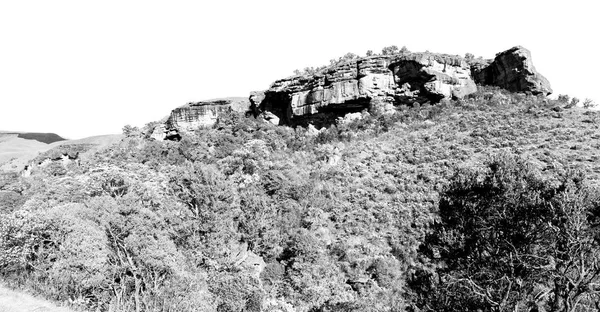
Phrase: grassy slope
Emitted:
{"points": [[11, 146], [424, 153], [16, 152], [419, 156]]}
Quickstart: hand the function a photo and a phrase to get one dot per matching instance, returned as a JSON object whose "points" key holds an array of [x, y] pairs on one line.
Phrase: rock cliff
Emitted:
{"points": [[404, 78], [197, 114], [512, 70], [431, 77], [357, 84]]}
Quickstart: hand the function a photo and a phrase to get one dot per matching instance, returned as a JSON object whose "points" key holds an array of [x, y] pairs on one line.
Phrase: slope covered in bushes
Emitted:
{"points": [[248, 216]]}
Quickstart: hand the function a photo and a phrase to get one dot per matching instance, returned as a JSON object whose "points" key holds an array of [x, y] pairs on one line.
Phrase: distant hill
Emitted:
{"points": [[17, 149], [14, 147], [41, 137]]}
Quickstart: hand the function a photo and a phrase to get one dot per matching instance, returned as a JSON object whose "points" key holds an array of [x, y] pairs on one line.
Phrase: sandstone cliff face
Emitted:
{"points": [[432, 77], [358, 84], [196, 115], [512, 70], [405, 78]]}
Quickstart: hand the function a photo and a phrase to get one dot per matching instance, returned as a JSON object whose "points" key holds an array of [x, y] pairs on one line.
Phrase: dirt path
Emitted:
{"points": [[15, 301]]}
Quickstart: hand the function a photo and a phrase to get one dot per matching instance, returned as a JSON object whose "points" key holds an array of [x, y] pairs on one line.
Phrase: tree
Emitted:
{"points": [[130, 131], [469, 56], [309, 71], [574, 102], [370, 53], [507, 239], [389, 50], [589, 103], [348, 57], [142, 255], [563, 98]]}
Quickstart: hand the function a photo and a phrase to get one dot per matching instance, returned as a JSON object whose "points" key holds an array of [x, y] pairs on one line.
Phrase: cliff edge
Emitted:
{"points": [[356, 84]]}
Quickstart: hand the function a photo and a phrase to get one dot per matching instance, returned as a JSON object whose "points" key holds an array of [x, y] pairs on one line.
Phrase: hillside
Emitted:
{"points": [[12, 146], [47, 138], [16, 152], [17, 145], [249, 216]]}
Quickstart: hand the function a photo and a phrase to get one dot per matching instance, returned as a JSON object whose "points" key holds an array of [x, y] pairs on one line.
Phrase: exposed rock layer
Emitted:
{"points": [[432, 77], [357, 84], [399, 79], [196, 115], [512, 70]]}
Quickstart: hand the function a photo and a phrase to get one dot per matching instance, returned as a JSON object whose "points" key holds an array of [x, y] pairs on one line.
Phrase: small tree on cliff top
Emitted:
{"points": [[390, 50]]}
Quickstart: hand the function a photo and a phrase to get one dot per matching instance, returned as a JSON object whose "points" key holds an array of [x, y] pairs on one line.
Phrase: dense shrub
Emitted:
{"points": [[367, 215], [508, 238]]}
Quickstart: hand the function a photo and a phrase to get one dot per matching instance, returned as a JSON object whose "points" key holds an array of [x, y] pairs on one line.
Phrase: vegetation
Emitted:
{"points": [[349, 57], [508, 240], [471, 204]]}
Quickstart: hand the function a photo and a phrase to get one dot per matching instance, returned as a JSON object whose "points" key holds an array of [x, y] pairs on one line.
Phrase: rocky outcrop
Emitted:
{"points": [[375, 82], [432, 77], [512, 70], [352, 86], [345, 87], [197, 115], [403, 78]]}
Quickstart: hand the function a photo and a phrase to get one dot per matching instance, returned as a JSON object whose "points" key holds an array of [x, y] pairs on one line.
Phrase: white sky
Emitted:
{"points": [[81, 68]]}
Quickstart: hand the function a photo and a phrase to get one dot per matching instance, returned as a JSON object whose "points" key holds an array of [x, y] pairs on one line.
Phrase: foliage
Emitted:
{"points": [[348, 57], [588, 103], [508, 239], [390, 50], [360, 216], [130, 131]]}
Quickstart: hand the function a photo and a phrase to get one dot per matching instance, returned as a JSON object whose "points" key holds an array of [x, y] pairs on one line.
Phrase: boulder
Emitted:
{"points": [[159, 132], [244, 259], [269, 117], [512, 70]]}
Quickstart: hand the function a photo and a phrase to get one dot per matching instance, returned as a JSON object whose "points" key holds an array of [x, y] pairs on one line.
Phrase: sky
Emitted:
{"points": [[82, 68]]}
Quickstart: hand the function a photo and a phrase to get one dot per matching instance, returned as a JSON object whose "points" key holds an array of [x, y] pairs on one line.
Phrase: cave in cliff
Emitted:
{"points": [[327, 115]]}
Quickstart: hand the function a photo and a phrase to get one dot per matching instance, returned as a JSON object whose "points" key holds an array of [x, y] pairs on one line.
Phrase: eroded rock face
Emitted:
{"points": [[375, 82], [353, 86], [432, 77], [197, 115], [396, 79], [512, 70]]}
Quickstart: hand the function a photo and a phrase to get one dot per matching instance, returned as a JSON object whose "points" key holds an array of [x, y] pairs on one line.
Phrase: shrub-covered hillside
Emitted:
{"points": [[485, 203]]}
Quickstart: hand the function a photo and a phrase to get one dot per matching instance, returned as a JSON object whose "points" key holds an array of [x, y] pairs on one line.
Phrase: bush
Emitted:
{"points": [[390, 50], [505, 233]]}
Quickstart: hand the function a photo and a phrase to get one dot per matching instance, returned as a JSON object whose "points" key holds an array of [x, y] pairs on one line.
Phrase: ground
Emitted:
{"points": [[16, 301]]}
